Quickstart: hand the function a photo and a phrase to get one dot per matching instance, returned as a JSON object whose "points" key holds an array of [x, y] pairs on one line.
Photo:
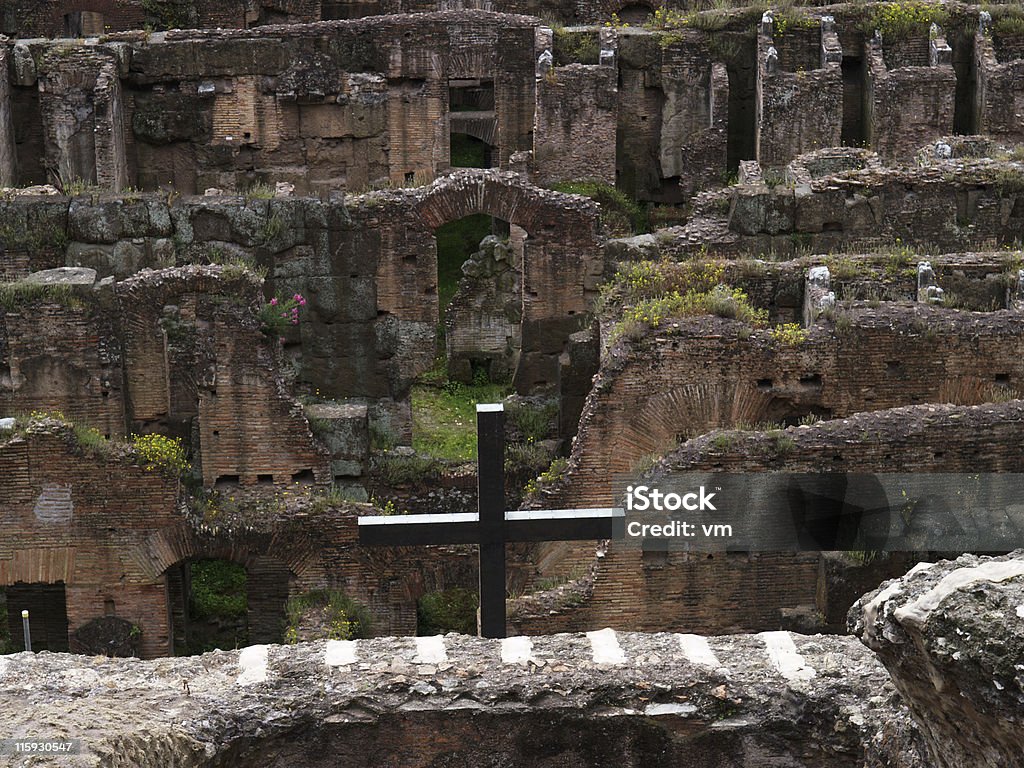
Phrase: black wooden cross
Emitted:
{"points": [[491, 527]]}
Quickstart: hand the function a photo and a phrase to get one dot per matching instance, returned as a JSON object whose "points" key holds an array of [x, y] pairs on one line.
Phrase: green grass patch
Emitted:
{"points": [[444, 418], [620, 214]]}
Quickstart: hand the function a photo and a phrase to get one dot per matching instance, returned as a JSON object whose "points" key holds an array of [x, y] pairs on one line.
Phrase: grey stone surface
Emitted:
{"points": [[951, 636], [602, 699], [63, 276]]}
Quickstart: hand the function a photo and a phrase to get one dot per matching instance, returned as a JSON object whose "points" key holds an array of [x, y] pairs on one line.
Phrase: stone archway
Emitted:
{"points": [[561, 270]]}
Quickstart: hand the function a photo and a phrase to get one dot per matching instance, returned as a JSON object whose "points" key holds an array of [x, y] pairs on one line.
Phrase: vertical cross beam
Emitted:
{"points": [[490, 422]]}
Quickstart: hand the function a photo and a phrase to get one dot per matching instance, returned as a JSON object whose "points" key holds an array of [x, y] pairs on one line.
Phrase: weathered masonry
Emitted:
{"points": [[355, 105]]}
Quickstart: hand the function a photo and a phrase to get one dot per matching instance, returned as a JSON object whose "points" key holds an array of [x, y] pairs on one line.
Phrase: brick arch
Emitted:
{"points": [[623, 8], [484, 129], [169, 546], [660, 423], [506, 196]]}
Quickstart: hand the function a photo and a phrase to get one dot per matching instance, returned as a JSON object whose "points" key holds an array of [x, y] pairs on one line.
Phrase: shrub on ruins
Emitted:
{"points": [[281, 312], [649, 279], [789, 334], [790, 19], [620, 214], [533, 422], [218, 590], [92, 440], [159, 453], [396, 469], [575, 47], [900, 20], [721, 301], [450, 610], [1007, 21], [325, 614]]}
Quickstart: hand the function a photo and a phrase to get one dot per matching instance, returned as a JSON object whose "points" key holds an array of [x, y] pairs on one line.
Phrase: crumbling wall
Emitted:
{"points": [[999, 95], [695, 380], [63, 353], [605, 699], [191, 352], [483, 323], [799, 89], [328, 107], [948, 634], [695, 115], [368, 272], [58, 18], [910, 92], [977, 205], [157, 352], [916, 438]]}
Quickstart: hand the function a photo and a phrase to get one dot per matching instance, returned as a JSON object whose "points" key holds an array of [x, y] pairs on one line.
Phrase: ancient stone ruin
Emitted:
{"points": [[261, 260]]}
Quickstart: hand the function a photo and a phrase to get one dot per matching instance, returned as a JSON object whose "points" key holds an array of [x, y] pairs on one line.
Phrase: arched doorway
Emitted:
{"points": [[224, 603]]}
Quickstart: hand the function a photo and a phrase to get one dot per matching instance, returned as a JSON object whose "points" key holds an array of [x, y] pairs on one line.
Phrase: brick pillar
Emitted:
{"points": [[111, 163]]}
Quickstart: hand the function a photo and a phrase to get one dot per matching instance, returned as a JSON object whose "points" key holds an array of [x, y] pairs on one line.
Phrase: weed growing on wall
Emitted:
{"points": [[18, 295], [280, 312], [620, 214], [789, 334], [325, 614], [721, 300], [160, 453], [898, 21]]}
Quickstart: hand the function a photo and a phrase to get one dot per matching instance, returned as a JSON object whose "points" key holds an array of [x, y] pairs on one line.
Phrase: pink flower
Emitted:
{"points": [[273, 302]]}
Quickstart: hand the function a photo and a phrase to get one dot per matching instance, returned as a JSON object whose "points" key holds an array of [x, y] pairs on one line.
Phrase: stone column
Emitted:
{"points": [[928, 290], [818, 294]]}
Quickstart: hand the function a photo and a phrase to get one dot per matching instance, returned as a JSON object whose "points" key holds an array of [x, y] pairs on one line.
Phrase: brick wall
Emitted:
{"points": [[73, 519], [681, 384], [999, 96], [576, 123], [909, 102], [799, 98]]}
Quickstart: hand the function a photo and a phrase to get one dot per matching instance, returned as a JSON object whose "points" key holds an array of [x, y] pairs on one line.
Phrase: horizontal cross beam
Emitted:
{"points": [[464, 528]]}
